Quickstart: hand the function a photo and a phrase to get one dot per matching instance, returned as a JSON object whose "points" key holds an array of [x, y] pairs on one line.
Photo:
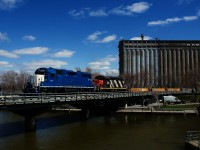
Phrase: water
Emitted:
{"points": [[59, 131]]}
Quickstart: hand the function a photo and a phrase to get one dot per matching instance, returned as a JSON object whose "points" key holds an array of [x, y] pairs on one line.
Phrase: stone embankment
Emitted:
{"points": [[156, 110]]}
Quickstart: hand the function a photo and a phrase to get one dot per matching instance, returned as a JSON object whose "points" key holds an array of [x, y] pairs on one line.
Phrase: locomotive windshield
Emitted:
{"points": [[41, 71]]}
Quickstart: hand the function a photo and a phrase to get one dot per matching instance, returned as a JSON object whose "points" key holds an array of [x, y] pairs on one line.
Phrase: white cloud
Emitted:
{"points": [[4, 64], [172, 20], [107, 39], [29, 38], [132, 9], [75, 13], [33, 65], [9, 4], [64, 53], [104, 63], [98, 13], [31, 51], [190, 18], [99, 65], [95, 37], [139, 7], [3, 37], [198, 12], [111, 58], [139, 38], [120, 11], [7, 54]]}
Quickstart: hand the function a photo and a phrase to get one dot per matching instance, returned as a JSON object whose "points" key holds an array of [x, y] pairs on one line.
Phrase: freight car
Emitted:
{"points": [[50, 80]]}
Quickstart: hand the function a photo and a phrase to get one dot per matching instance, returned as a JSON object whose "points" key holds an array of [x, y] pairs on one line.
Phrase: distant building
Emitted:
{"points": [[156, 63]]}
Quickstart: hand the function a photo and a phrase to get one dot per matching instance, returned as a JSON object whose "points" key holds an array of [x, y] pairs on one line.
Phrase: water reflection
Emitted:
{"points": [[58, 131]]}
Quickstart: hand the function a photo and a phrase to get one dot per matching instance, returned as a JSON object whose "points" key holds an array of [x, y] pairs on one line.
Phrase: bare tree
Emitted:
{"points": [[129, 80], [192, 80], [111, 73], [88, 69], [13, 82], [78, 69], [22, 78]]}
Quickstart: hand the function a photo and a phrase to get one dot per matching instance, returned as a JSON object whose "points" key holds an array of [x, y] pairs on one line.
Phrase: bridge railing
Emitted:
{"points": [[64, 97], [46, 98]]}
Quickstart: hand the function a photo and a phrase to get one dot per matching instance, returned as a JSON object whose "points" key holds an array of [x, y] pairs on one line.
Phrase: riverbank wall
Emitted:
{"points": [[155, 110]]}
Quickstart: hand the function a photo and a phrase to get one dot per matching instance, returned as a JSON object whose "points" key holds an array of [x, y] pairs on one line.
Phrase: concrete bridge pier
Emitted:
{"points": [[30, 112], [30, 123], [85, 114]]}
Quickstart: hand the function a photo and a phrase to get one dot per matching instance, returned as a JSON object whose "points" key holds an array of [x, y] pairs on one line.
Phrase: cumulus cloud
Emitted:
{"points": [[9, 4], [135, 8], [76, 13], [95, 37], [29, 38], [104, 63], [111, 58], [64, 53], [99, 65], [7, 54], [33, 65], [5, 64], [98, 13], [172, 20], [139, 7], [107, 39], [139, 38], [32, 51], [3, 37]]}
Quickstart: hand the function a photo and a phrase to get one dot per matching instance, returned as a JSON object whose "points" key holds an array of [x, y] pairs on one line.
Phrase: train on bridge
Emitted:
{"points": [[50, 80]]}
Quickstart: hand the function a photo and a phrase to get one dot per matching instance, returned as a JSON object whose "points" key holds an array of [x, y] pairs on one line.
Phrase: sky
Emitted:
{"points": [[74, 34]]}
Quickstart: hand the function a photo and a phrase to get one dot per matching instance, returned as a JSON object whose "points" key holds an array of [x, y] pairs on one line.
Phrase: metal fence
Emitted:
{"points": [[193, 137]]}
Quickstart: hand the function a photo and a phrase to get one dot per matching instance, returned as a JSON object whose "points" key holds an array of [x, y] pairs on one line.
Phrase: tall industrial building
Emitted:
{"points": [[158, 63]]}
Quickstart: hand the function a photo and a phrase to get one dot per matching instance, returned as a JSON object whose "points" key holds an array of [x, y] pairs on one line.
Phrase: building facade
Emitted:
{"points": [[158, 63]]}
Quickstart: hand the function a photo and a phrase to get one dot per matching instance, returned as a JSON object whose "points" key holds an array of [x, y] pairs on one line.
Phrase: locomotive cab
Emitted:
{"points": [[105, 83]]}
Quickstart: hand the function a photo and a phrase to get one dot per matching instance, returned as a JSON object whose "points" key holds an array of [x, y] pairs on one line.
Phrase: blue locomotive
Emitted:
{"points": [[50, 80]]}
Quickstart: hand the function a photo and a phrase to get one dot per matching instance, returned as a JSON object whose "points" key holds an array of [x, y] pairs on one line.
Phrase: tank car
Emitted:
{"points": [[50, 80]]}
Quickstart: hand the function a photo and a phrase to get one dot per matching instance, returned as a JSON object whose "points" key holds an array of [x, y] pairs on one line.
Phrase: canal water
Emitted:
{"points": [[61, 131]]}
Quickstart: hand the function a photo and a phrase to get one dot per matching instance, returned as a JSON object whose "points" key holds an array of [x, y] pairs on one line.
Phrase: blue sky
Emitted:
{"points": [[68, 34]]}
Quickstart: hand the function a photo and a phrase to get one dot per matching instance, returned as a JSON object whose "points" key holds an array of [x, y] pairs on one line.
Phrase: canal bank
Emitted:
{"points": [[184, 112], [157, 108], [182, 109]]}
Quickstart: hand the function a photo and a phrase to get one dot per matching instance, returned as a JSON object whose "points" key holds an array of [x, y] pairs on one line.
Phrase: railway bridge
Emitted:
{"points": [[32, 105]]}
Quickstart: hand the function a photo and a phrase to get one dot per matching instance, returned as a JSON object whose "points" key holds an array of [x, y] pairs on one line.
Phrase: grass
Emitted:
{"points": [[180, 107]]}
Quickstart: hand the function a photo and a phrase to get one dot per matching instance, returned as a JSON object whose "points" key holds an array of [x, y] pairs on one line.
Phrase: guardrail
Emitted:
{"points": [[49, 98], [64, 97], [193, 137]]}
